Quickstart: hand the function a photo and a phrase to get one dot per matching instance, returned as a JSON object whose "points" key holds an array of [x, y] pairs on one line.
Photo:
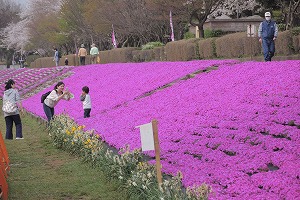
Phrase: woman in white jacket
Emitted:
{"points": [[53, 98], [12, 95]]}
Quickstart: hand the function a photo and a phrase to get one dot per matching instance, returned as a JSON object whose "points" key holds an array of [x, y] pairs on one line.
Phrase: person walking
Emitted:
{"points": [[53, 98], [82, 53], [267, 34], [56, 57], [94, 52], [12, 102]]}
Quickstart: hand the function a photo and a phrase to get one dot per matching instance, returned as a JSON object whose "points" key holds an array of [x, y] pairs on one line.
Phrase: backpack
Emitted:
{"points": [[9, 107], [59, 54], [44, 96]]}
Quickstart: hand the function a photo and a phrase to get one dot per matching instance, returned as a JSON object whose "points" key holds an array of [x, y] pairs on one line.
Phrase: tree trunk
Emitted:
{"points": [[201, 31], [289, 16]]}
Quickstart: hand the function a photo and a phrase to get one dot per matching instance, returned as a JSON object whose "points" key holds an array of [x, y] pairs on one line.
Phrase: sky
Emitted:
{"points": [[22, 2]]}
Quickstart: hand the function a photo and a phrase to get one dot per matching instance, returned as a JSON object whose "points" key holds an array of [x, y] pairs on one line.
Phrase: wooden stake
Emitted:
{"points": [[157, 152]]}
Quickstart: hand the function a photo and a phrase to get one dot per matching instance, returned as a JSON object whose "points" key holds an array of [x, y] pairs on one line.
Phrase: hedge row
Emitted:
{"points": [[236, 45], [49, 62]]}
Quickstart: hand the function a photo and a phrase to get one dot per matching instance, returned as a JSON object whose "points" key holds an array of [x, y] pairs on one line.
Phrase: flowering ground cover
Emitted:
{"points": [[112, 85], [236, 128], [27, 79]]}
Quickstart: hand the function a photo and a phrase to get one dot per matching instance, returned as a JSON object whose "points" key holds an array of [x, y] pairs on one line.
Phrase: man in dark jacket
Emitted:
{"points": [[267, 34]]}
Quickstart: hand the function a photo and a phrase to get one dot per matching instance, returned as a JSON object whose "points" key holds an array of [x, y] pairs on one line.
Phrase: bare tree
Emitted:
{"points": [[195, 11], [9, 12], [237, 8], [137, 22], [199, 11], [16, 35], [290, 9]]}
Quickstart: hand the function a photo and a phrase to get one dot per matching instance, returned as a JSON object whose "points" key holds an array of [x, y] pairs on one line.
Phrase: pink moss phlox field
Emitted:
{"points": [[27, 79], [235, 128], [115, 84]]}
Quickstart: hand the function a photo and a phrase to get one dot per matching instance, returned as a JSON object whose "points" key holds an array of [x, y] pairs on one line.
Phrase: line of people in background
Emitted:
{"points": [[82, 53]]}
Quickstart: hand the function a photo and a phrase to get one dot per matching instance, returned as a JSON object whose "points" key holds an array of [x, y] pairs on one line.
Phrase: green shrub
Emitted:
{"points": [[207, 48], [281, 27], [31, 59], [213, 33], [151, 45], [188, 35], [295, 31]]}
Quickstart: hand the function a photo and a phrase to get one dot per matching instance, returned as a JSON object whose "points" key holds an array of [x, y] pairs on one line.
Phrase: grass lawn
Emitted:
{"points": [[40, 171]]}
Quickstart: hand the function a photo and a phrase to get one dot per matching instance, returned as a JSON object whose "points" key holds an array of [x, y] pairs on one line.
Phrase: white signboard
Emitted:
{"points": [[251, 30], [147, 139]]}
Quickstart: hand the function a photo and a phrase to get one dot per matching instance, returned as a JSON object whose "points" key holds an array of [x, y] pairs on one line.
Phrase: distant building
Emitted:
{"points": [[227, 24]]}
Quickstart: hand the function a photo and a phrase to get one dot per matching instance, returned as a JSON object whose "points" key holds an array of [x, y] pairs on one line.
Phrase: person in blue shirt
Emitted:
{"points": [[267, 34], [56, 57]]}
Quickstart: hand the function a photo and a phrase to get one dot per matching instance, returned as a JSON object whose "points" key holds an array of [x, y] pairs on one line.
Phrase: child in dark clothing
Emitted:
{"points": [[66, 62]]}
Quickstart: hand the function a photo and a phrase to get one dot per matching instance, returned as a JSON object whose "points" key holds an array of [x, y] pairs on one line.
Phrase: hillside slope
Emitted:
{"points": [[235, 128]]}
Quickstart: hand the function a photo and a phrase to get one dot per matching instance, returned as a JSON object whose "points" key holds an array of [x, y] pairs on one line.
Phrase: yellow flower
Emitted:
{"points": [[87, 141], [180, 175], [73, 129]]}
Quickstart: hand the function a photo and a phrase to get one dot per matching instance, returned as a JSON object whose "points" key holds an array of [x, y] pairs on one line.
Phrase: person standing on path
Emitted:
{"points": [[94, 52], [56, 57], [12, 95], [267, 34], [82, 53]]}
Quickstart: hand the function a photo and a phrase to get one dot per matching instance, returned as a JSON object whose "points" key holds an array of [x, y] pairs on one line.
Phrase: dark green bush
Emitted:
{"points": [[281, 27], [188, 35], [295, 31], [151, 45], [32, 58], [213, 33]]}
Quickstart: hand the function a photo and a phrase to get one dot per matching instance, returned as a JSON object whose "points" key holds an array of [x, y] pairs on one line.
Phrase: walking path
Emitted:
{"points": [[11, 67]]}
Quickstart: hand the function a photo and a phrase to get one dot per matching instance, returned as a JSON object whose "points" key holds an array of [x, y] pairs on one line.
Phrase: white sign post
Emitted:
{"points": [[251, 33], [149, 140]]}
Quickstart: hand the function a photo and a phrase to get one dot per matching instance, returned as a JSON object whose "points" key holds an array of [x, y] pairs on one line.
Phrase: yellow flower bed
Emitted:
{"points": [[129, 167]]}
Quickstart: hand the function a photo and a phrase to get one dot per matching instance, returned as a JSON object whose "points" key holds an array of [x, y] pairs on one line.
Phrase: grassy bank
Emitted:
{"points": [[40, 171]]}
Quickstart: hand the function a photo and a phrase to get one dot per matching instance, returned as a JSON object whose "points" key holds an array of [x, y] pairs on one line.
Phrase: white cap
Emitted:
{"points": [[267, 14]]}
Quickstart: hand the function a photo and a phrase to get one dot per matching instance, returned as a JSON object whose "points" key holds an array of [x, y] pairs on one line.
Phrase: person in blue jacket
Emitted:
{"points": [[56, 57], [267, 34]]}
